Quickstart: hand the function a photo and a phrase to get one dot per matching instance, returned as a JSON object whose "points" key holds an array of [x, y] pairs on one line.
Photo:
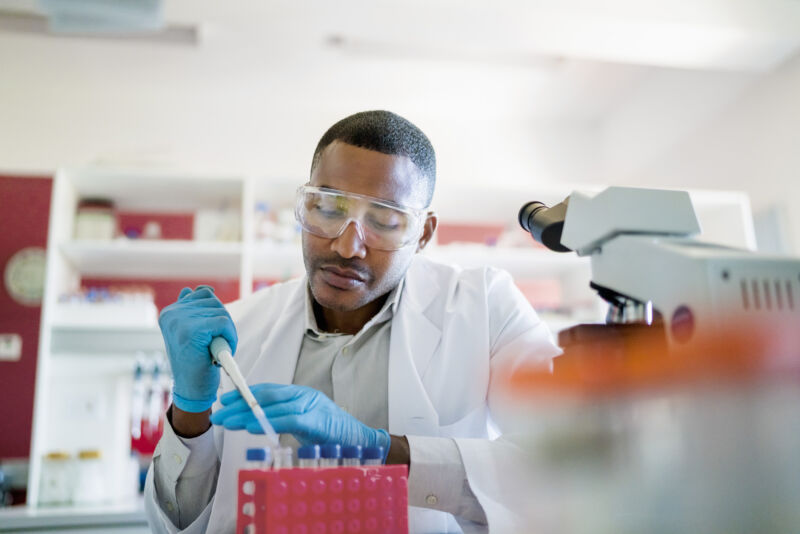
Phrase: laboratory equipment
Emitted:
{"points": [[137, 398], [90, 478], [679, 413], [283, 458], [258, 458], [654, 273], [221, 356], [351, 455], [57, 479], [95, 219], [372, 456], [330, 454], [308, 456], [335, 500]]}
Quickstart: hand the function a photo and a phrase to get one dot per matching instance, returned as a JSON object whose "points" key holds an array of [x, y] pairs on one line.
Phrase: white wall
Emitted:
{"points": [[228, 108], [750, 145]]}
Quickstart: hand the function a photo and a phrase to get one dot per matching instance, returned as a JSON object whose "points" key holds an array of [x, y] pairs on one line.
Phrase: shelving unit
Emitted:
{"points": [[99, 357], [123, 258]]}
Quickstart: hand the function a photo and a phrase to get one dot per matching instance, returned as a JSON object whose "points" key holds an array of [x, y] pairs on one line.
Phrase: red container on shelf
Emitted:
{"points": [[326, 500]]}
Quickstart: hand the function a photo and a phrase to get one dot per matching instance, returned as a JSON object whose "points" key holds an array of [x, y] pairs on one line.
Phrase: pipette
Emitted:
{"points": [[222, 357]]}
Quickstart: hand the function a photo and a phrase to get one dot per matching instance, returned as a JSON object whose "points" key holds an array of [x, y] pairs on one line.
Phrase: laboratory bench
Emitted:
{"points": [[128, 518]]}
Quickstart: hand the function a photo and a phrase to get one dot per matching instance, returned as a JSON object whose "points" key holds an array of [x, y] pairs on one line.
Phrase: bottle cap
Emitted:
{"points": [[351, 451], [373, 453], [308, 452], [89, 454], [257, 455], [331, 450]]}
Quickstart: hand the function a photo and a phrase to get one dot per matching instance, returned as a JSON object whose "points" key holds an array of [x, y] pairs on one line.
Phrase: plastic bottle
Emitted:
{"points": [[373, 456], [351, 455], [308, 456], [331, 454], [283, 458], [57, 478], [258, 458], [91, 478]]}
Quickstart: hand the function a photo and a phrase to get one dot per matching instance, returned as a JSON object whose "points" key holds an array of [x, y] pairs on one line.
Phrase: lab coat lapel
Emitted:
{"points": [[276, 363], [414, 340], [280, 350]]}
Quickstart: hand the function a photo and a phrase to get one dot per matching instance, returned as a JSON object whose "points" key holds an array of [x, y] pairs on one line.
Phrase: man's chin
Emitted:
{"points": [[337, 299]]}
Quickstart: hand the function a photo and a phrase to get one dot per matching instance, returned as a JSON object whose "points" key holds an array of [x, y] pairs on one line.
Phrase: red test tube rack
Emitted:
{"points": [[333, 500]]}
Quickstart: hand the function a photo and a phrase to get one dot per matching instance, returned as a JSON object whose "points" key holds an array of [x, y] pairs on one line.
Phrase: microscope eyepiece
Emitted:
{"points": [[545, 224]]}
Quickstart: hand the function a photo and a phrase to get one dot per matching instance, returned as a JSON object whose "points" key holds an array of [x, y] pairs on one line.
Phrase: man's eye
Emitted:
{"points": [[385, 223]]}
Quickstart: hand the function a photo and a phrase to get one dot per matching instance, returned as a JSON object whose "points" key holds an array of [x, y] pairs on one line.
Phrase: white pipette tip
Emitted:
{"points": [[221, 356]]}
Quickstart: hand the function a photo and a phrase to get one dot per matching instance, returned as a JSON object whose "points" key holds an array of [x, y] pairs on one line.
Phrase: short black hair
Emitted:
{"points": [[388, 133]]}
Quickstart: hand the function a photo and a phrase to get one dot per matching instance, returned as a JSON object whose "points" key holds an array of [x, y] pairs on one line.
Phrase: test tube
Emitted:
{"points": [[351, 455], [258, 458], [308, 456], [331, 453], [373, 456], [283, 458]]}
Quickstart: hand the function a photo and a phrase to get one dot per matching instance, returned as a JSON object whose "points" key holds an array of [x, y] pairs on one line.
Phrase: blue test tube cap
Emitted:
{"points": [[331, 450], [257, 455], [373, 453], [351, 451], [308, 452]]}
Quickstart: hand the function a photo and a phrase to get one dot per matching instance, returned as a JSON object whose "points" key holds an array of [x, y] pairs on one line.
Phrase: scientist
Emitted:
{"points": [[375, 346]]}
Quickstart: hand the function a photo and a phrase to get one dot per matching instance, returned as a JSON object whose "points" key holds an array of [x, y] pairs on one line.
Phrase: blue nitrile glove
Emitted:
{"points": [[188, 326], [301, 411]]}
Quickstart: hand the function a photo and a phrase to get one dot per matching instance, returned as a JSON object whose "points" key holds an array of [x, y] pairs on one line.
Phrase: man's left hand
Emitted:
{"points": [[304, 412]]}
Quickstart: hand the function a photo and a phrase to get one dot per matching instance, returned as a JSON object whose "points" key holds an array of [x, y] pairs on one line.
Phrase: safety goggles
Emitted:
{"points": [[380, 224]]}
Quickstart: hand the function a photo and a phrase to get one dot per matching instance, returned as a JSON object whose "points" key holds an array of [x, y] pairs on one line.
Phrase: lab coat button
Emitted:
{"points": [[432, 500], [170, 507]]}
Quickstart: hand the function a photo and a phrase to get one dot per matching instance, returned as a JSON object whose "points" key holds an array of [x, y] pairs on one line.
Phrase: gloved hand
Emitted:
{"points": [[188, 326], [301, 411]]}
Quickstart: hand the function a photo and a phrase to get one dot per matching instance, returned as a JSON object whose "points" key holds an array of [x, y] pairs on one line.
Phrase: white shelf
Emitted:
{"points": [[105, 340], [520, 262], [277, 260], [154, 259]]}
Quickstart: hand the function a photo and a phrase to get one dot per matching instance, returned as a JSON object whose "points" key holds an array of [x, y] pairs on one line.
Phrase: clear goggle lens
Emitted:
{"points": [[380, 224]]}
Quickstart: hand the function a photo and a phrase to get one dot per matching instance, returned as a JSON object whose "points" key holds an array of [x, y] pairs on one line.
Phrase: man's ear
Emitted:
{"points": [[431, 222]]}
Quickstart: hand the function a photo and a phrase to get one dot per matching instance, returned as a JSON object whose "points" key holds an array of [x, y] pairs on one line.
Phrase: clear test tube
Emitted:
{"points": [[308, 456], [259, 458], [351, 455], [283, 458], [373, 456], [331, 454]]}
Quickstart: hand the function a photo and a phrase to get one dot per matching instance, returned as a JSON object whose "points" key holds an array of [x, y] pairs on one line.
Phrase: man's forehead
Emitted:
{"points": [[394, 178]]}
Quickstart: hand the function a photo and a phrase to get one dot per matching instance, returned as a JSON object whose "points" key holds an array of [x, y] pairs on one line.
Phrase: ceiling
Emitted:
{"points": [[562, 60], [548, 63]]}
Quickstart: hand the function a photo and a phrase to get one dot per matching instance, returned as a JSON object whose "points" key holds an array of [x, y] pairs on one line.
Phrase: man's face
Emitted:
{"points": [[345, 274]]}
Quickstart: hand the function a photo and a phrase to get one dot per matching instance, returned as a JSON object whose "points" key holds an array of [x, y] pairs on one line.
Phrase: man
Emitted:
{"points": [[374, 346]]}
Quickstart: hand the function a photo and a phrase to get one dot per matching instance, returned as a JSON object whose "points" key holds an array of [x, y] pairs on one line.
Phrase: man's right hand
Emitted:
{"points": [[188, 326]]}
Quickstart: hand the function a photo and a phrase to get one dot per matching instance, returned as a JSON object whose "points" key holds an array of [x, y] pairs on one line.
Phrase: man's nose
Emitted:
{"points": [[351, 243]]}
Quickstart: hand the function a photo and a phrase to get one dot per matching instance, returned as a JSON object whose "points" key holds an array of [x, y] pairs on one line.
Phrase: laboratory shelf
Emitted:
{"points": [[277, 260], [105, 340], [520, 262], [173, 259]]}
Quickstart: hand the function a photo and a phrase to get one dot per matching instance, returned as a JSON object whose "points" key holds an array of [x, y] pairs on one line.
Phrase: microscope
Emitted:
{"points": [[664, 287]]}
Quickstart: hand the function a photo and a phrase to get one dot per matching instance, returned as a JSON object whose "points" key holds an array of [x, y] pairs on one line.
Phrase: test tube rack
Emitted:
{"points": [[327, 500]]}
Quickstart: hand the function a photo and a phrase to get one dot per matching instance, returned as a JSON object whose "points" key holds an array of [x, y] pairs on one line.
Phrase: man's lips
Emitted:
{"points": [[341, 278]]}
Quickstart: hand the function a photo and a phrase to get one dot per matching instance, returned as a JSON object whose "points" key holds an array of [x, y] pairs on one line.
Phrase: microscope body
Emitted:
{"points": [[663, 285]]}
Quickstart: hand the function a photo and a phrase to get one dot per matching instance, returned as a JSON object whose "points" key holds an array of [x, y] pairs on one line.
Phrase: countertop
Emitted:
{"points": [[127, 517]]}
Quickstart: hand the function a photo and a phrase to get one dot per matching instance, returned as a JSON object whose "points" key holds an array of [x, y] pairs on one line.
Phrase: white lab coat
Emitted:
{"points": [[453, 328]]}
